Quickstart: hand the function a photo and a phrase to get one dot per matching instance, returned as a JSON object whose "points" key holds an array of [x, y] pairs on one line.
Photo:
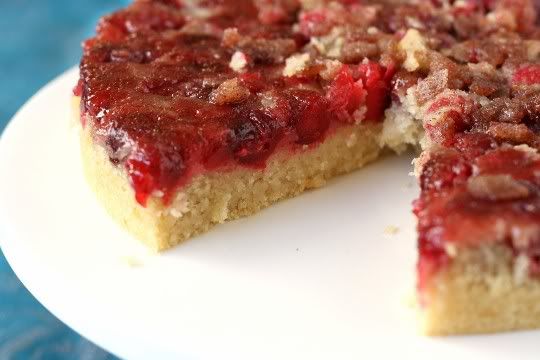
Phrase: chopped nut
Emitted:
{"points": [[372, 30], [432, 85], [260, 50], [229, 92], [496, 187], [231, 37], [355, 51], [517, 133]]}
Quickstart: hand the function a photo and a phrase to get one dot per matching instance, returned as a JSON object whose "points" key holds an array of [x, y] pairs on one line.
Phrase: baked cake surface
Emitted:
{"points": [[195, 112]]}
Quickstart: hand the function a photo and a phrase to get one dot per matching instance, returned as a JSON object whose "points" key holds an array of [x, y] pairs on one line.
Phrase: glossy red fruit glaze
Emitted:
{"points": [[377, 83], [78, 89], [527, 75], [253, 137], [140, 17], [312, 117], [444, 170], [345, 94], [254, 81], [472, 145]]}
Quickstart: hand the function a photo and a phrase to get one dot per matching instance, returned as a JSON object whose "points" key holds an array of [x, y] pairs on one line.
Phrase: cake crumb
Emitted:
{"points": [[391, 230], [132, 261], [295, 64], [451, 249], [411, 44], [521, 269], [238, 61], [351, 140], [410, 300], [372, 30], [180, 206]]}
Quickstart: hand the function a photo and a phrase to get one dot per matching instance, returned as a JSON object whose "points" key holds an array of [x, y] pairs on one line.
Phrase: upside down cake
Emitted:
{"points": [[196, 112]]}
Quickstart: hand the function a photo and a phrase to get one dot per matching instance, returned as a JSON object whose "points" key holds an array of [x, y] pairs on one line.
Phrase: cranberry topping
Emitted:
{"points": [[376, 80], [140, 17], [472, 145], [527, 75], [315, 22], [78, 89], [444, 170], [345, 94], [253, 138], [312, 117]]}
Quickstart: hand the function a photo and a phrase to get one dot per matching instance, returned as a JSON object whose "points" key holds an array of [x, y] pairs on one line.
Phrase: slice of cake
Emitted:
{"points": [[195, 115], [196, 112]]}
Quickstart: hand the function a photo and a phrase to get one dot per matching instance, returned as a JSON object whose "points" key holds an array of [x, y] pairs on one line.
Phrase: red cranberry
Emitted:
{"points": [[443, 171], [153, 168], [473, 145], [172, 3], [141, 168], [254, 81], [314, 23], [141, 16], [527, 75], [111, 29], [127, 55], [253, 137], [311, 117], [78, 89], [345, 95], [446, 101], [376, 80]]}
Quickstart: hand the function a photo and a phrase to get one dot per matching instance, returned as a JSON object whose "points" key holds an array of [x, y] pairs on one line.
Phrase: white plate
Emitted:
{"points": [[315, 277]]}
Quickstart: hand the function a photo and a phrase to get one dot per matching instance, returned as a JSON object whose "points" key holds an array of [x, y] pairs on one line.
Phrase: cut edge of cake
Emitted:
{"points": [[217, 196], [482, 290]]}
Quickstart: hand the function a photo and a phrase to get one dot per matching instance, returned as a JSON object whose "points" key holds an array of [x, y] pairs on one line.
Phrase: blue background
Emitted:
{"points": [[39, 40]]}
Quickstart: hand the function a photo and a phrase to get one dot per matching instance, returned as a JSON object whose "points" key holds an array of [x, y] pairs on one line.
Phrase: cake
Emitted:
{"points": [[197, 112]]}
